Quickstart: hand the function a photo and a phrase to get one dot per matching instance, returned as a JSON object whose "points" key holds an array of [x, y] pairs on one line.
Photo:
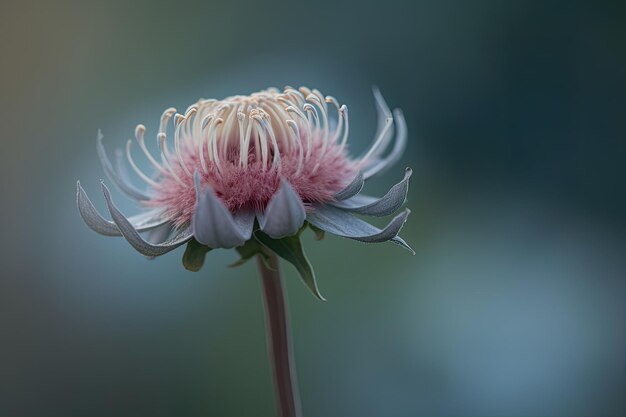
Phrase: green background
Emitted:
{"points": [[513, 305]]}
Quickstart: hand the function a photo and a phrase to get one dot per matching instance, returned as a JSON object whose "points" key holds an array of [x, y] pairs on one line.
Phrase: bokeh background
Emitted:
{"points": [[513, 305]]}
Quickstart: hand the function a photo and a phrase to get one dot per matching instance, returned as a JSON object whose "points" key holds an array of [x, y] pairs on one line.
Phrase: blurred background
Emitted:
{"points": [[513, 306]]}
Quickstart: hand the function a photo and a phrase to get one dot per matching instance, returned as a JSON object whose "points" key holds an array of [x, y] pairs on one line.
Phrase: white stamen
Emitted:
{"points": [[178, 119], [311, 109], [241, 119], [165, 117], [180, 125], [190, 114], [308, 107], [296, 95], [344, 112], [339, 126], [213, 143], [246, 143], [276, 161], [161, 137], [306, 91], [275, 112], [262, 140], [136, 169], [331, 99], [140, 130], [296, 137], [326, 132], [320, 97], [305, 121], [192, 108], [205, 120], [314, 99], [202, 140], [227, 132]]}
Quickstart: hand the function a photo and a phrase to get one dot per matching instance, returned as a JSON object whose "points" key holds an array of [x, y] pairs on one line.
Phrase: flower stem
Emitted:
{"points": [[278, 339]]}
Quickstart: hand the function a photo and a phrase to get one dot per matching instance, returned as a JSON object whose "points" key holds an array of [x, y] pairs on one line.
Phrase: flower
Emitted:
{"points": [[254, 168]]}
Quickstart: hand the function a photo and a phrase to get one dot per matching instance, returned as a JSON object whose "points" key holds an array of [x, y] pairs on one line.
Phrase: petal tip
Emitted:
{"points": [[285, 213], [214, 226]]}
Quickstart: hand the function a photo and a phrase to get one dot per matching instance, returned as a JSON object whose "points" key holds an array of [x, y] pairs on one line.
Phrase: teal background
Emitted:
{"points": [[513, 305]]}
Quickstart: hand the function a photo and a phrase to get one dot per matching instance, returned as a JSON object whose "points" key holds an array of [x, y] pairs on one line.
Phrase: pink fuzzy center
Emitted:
{"points": [[251, 187]]}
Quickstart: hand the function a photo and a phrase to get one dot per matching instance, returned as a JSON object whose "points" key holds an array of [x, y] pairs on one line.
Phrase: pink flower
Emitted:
{"points": [[277, 157]]}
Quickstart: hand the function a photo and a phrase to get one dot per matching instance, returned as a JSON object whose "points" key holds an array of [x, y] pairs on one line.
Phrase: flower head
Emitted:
{"points": [[252, 170]]}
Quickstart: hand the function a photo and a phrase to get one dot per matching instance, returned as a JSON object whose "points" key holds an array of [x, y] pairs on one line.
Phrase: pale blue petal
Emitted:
{"points": [[357, 200], [93, 219], [355, 186], [159, 234], [133, 237], [384, 206], [336, 221], [284, 214], [213, 225]]}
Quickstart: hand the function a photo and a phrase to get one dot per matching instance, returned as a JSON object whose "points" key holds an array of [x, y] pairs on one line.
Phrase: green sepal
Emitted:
{"points": [[290, 249], [194, 255], [319, 233], [248, 251]]}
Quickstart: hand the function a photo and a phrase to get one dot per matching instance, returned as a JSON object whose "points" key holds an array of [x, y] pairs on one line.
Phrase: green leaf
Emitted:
{"points": [[319, 233], [290, 249], [194, 255], [248, 251]]}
